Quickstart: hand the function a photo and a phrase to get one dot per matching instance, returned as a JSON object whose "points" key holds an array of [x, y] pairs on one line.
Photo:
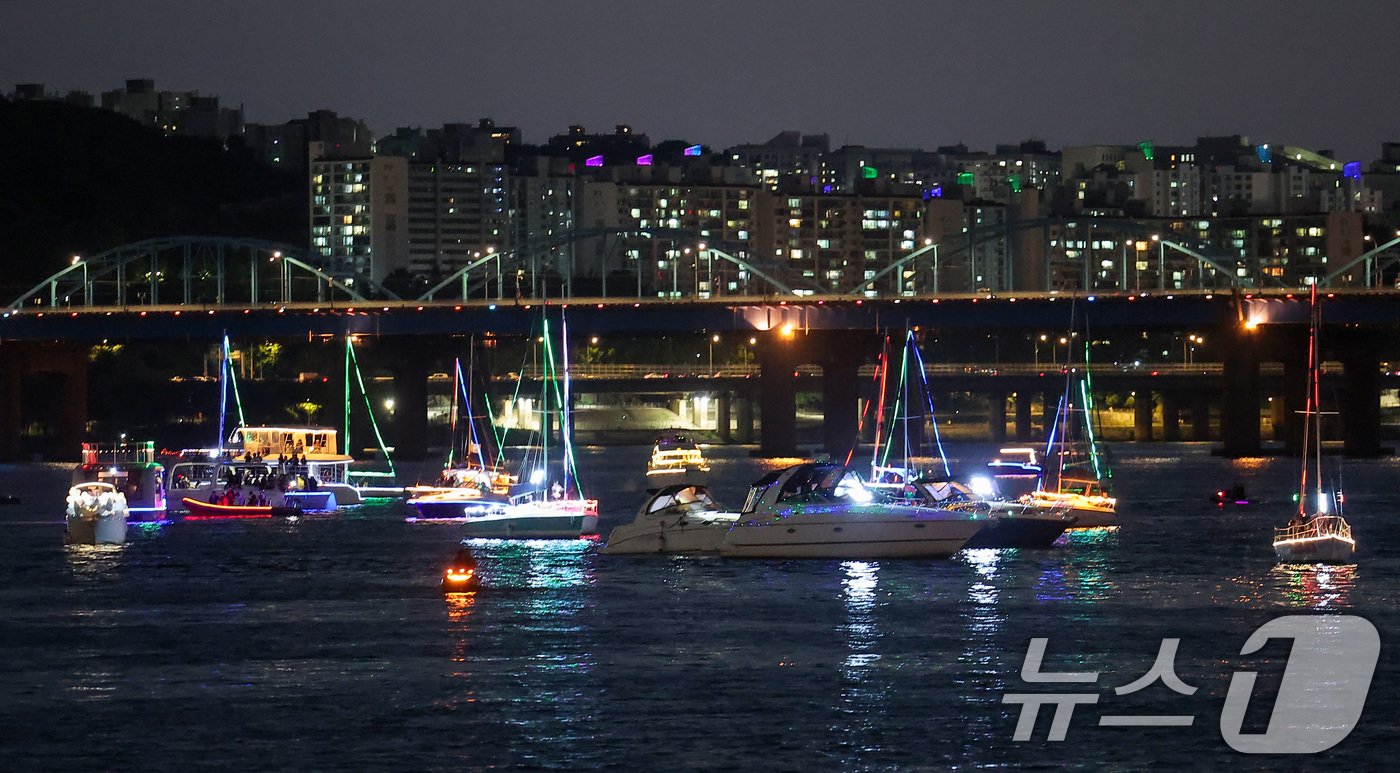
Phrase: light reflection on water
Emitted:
{"points": [[1322, 587]]}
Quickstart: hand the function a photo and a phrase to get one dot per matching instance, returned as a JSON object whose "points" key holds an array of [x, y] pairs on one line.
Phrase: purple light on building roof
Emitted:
{"points": [[644, 160], [693, 150], [826, 189], [936, 192], [1352, 169], [594, 161]]}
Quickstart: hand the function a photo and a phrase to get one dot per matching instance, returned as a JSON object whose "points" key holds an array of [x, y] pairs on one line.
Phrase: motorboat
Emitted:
{"points": [[1317, 532], [1010, 524], [680, 518], [676, 455], [132, 469], [1234, 496], [824, 510], [97, 514]]}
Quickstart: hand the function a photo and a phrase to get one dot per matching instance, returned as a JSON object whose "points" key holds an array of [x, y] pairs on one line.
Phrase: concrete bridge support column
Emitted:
{"points": [[1200, 416], [410, 435], [1239, 403], [996, 417], [840, 404], [1023, 415], [1294, 353], [1143, 406], [1361, 392], [722, 428], [743, 420], [1171, 417], [44, 383], [777, 407]]}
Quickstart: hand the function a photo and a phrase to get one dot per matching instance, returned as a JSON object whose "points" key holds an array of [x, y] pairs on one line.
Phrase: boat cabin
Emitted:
{"points": [[807, 483], [272, 442], [129, 468]]}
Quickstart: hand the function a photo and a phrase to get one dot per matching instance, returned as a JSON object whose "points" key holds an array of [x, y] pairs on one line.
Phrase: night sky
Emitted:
{"points": [[908, 73]]}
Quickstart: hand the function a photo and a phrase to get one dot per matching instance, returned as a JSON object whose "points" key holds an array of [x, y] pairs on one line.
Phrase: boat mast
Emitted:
{"points": [[564, 427], [223, 390], [452, 411], [884, 367], [1312, 425]]}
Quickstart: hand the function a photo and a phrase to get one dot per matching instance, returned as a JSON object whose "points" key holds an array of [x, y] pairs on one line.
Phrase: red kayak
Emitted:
{"points": [[205, 511]]}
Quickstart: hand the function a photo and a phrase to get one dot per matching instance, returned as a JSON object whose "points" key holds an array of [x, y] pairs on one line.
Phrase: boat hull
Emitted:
{"points": [[201, 511], [1021, 531], [850, 536], [652, 538], [532, 526], [1327, 549], [107, 529]]}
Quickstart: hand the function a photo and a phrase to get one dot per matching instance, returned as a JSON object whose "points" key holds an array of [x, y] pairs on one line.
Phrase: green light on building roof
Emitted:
{"points": [[1015, 182], [965, 178], [1147, 150], [869, 172]]}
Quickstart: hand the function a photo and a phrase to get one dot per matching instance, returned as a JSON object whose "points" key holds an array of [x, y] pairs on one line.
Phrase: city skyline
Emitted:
{"points": [[1093, 73]]}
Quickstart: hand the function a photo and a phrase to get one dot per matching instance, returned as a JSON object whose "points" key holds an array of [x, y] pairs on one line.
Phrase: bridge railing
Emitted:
{"points": [[753, 370]]}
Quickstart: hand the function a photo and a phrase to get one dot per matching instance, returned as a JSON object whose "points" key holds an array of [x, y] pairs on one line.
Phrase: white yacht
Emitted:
{"points": [[682, 518], [825, 511], [96, 514], [132, 470], [1010, 524], [676, 455]]}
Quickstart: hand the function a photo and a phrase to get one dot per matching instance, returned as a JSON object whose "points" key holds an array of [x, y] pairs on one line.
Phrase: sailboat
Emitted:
{"points": [[1075, 473], [470, 472], [1317, 532], [549, 503], [1008, 524]]}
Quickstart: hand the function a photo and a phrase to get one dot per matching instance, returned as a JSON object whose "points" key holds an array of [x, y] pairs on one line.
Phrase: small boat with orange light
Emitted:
{"points": [[460, 576]]}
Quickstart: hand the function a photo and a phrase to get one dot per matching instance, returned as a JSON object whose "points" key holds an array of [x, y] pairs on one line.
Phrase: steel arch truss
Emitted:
{"points": [[557, 257], [952, 267], [191, 271]]}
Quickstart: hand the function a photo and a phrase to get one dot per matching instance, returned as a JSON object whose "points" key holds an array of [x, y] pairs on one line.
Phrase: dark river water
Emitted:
{"points": [[326, 644]]}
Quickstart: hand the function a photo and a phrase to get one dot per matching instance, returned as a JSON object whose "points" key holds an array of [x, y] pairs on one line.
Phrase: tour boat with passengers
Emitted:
{"points": [[131, 469], [824, 510], [293, 467], [680, 518], [97, 514], [1317, 533]]}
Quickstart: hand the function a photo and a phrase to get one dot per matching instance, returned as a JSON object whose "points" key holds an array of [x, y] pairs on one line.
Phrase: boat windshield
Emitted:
{"points": [[824, 484], [689, 499]]}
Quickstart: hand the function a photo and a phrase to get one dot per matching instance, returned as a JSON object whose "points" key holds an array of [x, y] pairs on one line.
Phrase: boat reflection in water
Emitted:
{"points": [[1316, 586]]}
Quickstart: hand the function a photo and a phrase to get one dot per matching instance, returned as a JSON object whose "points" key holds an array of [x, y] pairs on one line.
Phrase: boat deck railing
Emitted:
{"points": [[1316, 527]]}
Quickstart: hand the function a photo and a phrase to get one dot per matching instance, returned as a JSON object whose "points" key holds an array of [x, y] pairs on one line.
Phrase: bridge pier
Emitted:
{"points": [[1361, 392], [43, 385], [1239, 404], [996, 417], [840, 402], [777, 407], [722, 428], [1143, 406], [1023, 415], [743, 419], [1200, 416], [1293, 346], [410, 372], [1049, 406], [1171, 416]]}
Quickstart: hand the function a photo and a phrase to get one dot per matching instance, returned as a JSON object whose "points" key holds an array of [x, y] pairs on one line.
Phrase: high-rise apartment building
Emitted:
{"points": [[359, 214]]}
